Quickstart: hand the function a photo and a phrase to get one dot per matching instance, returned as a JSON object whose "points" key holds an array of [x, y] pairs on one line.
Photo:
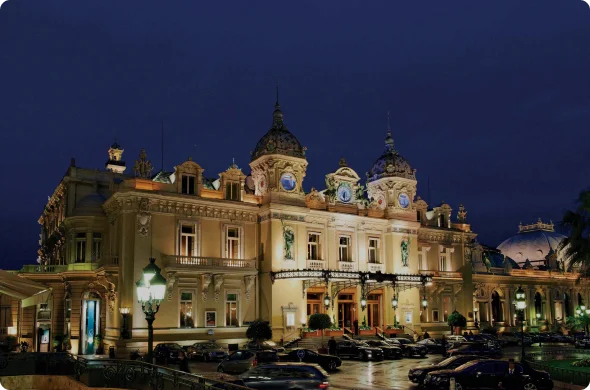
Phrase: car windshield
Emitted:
{"points": [[448, 361], [403, 341], [173, 346], [466, 365], [361, 343], [208, 346]]}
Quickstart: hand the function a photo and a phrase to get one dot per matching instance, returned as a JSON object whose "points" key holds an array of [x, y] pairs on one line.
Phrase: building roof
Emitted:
{"points": [[533, 242], [278, 140], [390, 164]]}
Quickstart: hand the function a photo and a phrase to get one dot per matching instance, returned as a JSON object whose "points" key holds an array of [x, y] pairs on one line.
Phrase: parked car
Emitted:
{"points": [[456, 339], [389, 351], [327, 362], [205, 351], [299, 376], [582, 343], [487, 374], [417, 374], [528, 340], [432, 345], [167, 352], [409, 348], [358, 349], [242, 360], [266, 345], [507, 338], [478, 349]]}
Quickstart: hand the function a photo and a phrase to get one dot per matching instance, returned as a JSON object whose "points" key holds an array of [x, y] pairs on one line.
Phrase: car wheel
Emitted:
{"points": [[360, 356], [332, 365], [220, 369], [530, 386], [458, 386], [408, 353]]}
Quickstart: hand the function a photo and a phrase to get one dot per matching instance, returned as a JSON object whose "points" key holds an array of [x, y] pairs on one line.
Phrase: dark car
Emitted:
{"points": [[491, 343], [266, 345], [358, 349], [167, 352], [582, 343], [299, 376], [417, 374], [205, 351], [327, 362], [432, 345], [409, 348], [489, 374], [478, 349], [389, 351], [243, 360]]}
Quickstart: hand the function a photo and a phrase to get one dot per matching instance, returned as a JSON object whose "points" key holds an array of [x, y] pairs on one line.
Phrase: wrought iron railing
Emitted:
{"points": [[193, 261], [545, 361], [128, 374]]}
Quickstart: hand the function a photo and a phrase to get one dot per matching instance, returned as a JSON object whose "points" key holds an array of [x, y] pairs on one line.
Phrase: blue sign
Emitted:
{"points": [[301, 354]]}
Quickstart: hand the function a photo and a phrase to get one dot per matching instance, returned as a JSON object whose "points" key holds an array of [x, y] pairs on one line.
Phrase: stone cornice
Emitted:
{"points": [[444, 235]]}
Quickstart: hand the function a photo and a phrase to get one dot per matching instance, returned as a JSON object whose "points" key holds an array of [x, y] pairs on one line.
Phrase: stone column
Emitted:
{"points": [[548, 306]]}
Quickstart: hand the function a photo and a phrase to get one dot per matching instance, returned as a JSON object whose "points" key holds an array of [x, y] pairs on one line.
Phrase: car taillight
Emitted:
{"points": [[254, 363], [323, 385]]}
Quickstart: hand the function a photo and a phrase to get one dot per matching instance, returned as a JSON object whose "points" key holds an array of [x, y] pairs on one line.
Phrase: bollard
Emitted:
{"points": [[452, 384]]}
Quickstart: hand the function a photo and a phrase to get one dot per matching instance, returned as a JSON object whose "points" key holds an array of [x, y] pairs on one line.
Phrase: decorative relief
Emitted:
{"points": [[249, 284], [401, 230], [289, 239], [143, 217], [170, 281], [217, 282], [205, 282], [405, 250], [143, 167]]}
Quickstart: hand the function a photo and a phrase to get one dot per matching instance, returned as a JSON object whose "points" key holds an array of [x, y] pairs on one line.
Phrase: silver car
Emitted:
{"points": [[243, 360]]}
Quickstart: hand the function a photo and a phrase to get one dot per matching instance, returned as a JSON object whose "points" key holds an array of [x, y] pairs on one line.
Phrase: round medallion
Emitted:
{"points": [[288, 181], [404, 200], [344, 193], [380, 201]]}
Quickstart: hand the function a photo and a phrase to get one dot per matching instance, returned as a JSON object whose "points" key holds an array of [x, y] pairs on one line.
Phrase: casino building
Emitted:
{"points": [[248, 245]]}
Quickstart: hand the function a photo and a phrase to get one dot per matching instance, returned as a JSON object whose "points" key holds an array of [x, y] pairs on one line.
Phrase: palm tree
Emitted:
{"points": [[576, 247]]}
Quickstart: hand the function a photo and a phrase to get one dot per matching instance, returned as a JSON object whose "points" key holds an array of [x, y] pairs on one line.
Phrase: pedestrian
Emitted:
{"points": [[356, 327], [415, 336], [183, 362], [332, 346], [510, 380], [443, 342], [426, 335]]}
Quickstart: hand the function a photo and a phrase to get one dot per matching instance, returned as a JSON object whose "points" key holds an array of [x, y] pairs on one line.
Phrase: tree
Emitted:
{"points": [[259, 331], [576, 247], [320, 321], [456, 320]]}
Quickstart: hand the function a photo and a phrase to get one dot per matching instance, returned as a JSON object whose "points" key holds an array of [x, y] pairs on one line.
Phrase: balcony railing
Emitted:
{"points": [[40, 269], [316, 264], [374, 267], [193, 261], [347, 266]]}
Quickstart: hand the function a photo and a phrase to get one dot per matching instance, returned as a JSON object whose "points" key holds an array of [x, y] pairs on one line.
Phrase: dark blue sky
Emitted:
{"points": [[490, 100]]}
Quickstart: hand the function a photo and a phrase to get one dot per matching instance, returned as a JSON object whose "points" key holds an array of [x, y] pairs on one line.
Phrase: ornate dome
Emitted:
{"points": [[390, 164], [278, 140], [91, 204], [533, 242]]}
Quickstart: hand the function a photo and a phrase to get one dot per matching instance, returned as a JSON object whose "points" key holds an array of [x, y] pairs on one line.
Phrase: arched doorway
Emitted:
{"points": [[580, 300], [566, 305], [538, 305], [90, 326], [497, 314]]}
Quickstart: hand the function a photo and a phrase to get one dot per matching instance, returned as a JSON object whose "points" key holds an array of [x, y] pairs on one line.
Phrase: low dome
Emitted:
{"points": [[278, 140], [533, 242], [91, 204], [390, 164]]}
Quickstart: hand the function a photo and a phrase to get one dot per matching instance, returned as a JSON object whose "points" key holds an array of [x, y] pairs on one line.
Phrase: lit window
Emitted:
{"points": [[188, 185], [96, 246], [188, 240], [232, 191], [442, 262], [231, 309], [344, 248], [374, 250], [80, 247], [313, 246], [186, 310], [232, 244]]}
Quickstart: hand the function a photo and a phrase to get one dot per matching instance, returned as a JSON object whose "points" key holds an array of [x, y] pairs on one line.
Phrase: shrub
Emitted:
{"points": [[259, 331], [457, 319], [320, 321], [581, 363]]}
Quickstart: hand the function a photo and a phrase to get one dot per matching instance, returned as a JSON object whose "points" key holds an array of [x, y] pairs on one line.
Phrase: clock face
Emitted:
{"points": [[344, 193], [404, 201], [288, 181]]}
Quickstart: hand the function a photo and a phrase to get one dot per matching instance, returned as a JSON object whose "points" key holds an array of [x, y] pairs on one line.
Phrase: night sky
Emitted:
{"points": [[490, 101]]}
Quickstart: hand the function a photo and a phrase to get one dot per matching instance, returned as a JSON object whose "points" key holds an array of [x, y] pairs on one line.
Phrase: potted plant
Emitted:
{"points": [[334, 329], [320, 321], [66, 342], [58, 340], [259, 331], [364, 329], [456, 321]]}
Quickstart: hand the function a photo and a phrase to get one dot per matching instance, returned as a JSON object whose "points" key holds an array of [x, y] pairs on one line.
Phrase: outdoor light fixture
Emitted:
{"points": [[476, 322], [424, 302], [538, 315], [363, 303], [151, 290], [124, 310], [520, 299], [124, 328], [327, 301], [394, 301], [520, 306]]}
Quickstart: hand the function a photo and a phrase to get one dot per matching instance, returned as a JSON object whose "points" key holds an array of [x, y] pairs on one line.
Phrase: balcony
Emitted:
{"points": [[316, 264], [185, 263], [347, 266], [374, 267], [442, 274], [52, 269]]}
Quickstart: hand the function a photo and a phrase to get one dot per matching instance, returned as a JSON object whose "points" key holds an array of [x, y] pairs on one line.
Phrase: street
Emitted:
{"points": [[387, 374]]}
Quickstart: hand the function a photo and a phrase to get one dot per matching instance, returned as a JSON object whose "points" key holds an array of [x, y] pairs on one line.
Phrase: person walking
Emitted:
{"points": [[443, 342], [183, 363], [332, 346]]}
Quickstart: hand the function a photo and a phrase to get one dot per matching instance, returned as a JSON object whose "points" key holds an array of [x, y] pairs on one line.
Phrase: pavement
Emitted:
{"points": [[387, 374]]}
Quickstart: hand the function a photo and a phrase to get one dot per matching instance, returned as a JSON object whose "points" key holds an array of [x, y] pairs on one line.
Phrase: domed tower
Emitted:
{"points": [[278, 162], [115, 162], [391, 183]]}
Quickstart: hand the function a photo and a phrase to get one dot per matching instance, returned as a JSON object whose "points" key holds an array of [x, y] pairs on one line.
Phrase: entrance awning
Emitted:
{"points": [[29, 292]]}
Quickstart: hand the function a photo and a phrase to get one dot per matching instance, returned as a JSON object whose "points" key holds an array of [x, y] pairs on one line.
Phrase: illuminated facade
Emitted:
{"points": [[218, 241]]}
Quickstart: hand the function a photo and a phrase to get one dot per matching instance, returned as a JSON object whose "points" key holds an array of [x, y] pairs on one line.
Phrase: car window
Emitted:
{"points": [[235, 356], [486, 368], [310, 353], [247, 354]]}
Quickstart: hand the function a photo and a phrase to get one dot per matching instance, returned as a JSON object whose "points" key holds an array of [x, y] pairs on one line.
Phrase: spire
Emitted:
{"points": [[277, 115], [389, 139]]}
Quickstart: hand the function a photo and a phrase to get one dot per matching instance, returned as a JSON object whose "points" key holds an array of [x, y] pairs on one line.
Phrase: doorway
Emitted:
{"points": [[346, 310], [374, 310], [90, 323]]}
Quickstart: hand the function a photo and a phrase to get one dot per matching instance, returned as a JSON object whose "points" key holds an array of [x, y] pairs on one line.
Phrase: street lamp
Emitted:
{"points": [[124, 329], [424, 302], [327, 301], [151, 289], [476, 322], [520, 302], [394, 303], [363, 303]]}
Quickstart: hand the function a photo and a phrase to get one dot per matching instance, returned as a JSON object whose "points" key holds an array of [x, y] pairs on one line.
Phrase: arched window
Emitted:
{"points": [[538, 304], [566, 304], [497, 307]]}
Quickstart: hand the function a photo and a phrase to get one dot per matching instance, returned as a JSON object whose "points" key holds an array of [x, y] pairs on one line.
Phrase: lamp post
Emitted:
{"points": [[326, 302], [151, 290], [538, 315], [363, 303], [394, 303], [520, 302], [476, 322], [124, 329]]}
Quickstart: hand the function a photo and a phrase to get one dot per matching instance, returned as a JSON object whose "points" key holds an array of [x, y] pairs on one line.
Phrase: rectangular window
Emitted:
{"points": [[80, 247], [96, 246], [442, 262], [186, 310], [232, 244], [435, 317], [188, 240], [344, 249], [313, 246], [231, 309], [188, 185], [374, 250], [232, 191]]}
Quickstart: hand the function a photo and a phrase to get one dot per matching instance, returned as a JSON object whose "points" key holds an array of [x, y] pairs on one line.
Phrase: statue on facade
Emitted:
{"points": [[330, 192], [289, 238], [487, 262], [405, 247], [143, 167], [462, 214]]}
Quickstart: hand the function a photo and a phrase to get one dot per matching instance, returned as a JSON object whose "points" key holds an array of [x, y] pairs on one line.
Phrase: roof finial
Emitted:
{"points": [[277, 103], [388, 124], [389, 140], [277, 114]]}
